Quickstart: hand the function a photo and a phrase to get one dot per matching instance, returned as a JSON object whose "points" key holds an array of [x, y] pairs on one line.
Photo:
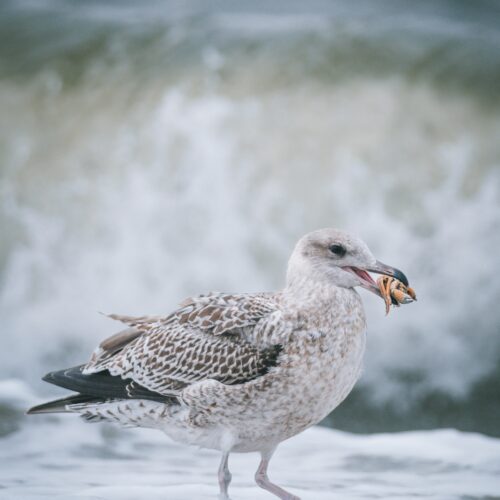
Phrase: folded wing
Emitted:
{"points": [[228, 338]]}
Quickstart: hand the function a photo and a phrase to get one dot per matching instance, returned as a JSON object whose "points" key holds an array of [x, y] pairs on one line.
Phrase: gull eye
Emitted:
{"points": [[338, 250]]}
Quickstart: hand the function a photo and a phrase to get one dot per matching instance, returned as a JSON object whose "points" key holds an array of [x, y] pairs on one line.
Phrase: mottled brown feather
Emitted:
{"points": [[209, 337]]}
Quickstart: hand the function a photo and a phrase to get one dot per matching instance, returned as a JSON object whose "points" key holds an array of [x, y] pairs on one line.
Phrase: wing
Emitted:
{"points": [[111, 346], [229, 338]]}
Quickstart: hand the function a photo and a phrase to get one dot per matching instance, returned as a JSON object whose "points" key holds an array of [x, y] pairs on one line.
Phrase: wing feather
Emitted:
{"points": [[214, 336], [111, 346]]}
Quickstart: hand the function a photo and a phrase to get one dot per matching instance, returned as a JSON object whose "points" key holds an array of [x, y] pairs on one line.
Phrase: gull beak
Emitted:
{"points": [[379, 268]]}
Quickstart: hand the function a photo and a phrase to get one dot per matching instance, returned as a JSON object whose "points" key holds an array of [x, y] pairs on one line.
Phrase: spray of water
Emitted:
{"points": [[142, 177]]}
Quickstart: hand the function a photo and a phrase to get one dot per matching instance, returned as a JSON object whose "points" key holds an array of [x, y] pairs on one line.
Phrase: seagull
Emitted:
{"points": [[237, 372]]}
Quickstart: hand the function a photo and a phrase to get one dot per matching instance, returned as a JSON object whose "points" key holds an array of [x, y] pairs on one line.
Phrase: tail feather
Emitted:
{"points": [[61, 405], [94, 388], [103, 385], [100, 384]]}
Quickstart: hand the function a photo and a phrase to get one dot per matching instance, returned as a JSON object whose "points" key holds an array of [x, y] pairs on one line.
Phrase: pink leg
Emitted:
{"points": [[263, 481], [224, 477]]}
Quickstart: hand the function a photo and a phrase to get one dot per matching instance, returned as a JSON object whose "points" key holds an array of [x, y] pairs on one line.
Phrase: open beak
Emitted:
{"points": [[379, 268]]}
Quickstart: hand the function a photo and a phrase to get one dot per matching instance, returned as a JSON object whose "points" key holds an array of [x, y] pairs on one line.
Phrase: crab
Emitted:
{"points": [[394, 292]]}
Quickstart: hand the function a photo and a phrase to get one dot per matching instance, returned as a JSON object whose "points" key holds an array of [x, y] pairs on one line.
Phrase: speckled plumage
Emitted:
{"points": [[243, 372], [275, 370]]}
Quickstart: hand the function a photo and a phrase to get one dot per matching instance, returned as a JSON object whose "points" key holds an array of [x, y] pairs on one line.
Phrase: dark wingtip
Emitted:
{"points": [[34, 410], [48, 377], [60, 405]]}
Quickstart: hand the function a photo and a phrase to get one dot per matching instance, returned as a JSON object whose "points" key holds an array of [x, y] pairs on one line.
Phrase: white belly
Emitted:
{"points": [[267, 410]]}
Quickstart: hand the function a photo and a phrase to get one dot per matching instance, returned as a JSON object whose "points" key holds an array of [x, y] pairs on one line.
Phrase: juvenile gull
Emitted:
{"points": [[237, 373]]}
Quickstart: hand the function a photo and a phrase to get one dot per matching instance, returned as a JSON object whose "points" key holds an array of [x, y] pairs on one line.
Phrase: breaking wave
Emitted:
{"points": [[142, 162]]}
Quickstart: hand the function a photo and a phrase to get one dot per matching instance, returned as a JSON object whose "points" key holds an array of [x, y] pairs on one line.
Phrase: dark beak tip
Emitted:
{"points": [[382, 268], [400, 276]]}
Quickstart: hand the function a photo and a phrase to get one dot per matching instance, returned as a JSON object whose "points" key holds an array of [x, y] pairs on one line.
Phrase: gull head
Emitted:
{"points": [[338, 258]]}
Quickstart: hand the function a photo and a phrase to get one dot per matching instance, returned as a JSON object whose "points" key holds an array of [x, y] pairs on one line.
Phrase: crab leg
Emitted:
{"points": [[384, 284]]}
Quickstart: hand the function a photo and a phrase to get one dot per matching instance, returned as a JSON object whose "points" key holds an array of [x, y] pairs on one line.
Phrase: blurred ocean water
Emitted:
{"points": [[153, 150], [61, 458]]}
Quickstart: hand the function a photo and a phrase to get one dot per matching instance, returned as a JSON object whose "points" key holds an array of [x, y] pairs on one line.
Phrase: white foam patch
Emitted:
{"points": [[65, 458], [15, 392]]}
